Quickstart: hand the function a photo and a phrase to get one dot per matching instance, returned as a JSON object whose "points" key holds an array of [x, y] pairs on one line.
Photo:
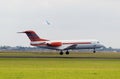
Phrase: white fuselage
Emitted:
{"points": [[68, 44]]}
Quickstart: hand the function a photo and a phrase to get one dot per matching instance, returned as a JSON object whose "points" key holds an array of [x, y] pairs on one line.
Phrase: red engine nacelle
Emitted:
{"points": [[55, 44]]}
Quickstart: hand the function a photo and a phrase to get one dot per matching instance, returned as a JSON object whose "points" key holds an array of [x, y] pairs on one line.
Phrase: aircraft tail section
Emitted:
{"points": [[33, 36]]}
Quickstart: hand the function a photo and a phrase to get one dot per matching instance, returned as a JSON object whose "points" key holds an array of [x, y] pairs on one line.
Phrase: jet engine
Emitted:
{"points": [[54, 44]]}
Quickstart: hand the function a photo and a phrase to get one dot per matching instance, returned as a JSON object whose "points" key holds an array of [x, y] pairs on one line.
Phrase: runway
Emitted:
{"points": [[68, 57]]}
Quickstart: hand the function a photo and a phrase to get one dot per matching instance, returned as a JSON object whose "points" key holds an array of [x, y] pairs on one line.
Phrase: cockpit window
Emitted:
{"points": [[98, 42]]}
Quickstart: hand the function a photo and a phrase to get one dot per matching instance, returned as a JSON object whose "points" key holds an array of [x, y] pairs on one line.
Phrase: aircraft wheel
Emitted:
{"points": [[67, 52], [61, 52], [94, 51]]}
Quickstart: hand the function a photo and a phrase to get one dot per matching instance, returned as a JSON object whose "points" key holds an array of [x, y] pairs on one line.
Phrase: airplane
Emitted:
{"points": [[48, 23], [61, 45]]}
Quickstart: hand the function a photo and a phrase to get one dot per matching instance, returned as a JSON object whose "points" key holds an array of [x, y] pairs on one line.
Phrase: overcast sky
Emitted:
{"points": [[70, 19]]}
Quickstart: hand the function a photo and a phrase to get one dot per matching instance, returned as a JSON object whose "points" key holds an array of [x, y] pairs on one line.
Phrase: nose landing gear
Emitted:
{"points": [[94, 51]]}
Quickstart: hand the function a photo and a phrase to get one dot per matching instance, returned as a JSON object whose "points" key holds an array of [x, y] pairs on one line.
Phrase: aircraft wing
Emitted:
{"points": [[70, 47]]}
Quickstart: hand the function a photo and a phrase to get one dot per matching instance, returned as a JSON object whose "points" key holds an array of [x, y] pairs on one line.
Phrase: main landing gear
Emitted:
{"points": [[67, 52], [61, 52]]}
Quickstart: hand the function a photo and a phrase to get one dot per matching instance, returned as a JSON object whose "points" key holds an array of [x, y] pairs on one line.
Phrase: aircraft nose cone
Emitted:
{"points": [[100, 45]]}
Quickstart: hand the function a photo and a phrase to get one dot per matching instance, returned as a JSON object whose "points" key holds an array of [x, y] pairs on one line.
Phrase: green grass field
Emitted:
{"points": [[73, 66]]}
